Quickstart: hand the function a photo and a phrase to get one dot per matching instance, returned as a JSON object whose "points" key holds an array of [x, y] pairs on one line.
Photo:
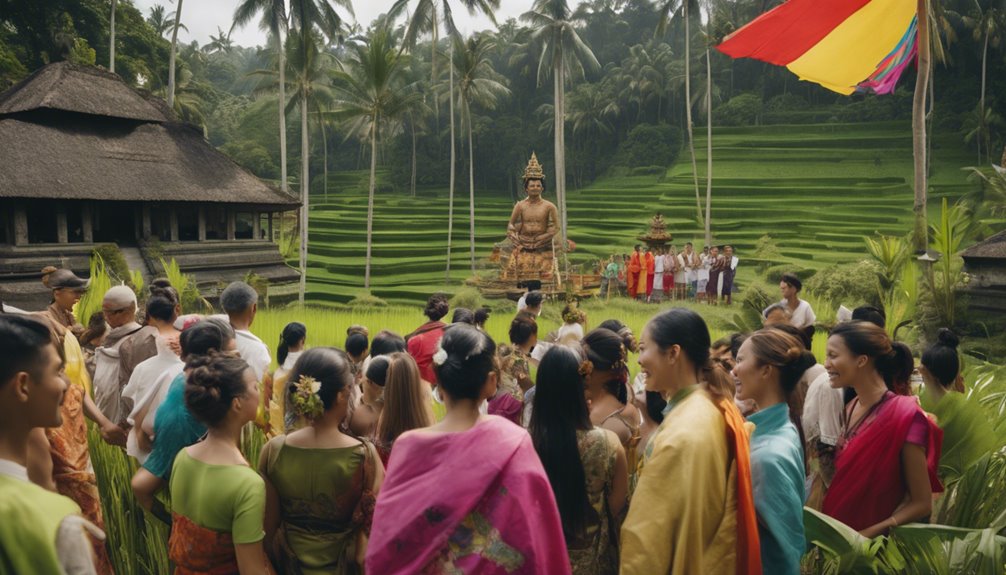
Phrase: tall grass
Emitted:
{"points": [[101, 281]]}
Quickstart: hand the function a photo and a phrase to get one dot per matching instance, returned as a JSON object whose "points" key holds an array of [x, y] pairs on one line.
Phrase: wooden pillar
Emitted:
{"points": [[87, 225], [146, 228], [173, 224], [231, 224], [62, 236], [20, 226], [269, 224], [202, 224], [256, 226]]}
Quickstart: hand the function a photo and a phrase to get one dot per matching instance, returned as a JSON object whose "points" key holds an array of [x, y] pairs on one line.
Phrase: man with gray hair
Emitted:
{"points": [[240, 302], [119, 308]]}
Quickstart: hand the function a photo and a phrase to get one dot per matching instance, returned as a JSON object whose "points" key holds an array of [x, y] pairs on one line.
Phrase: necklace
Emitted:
{"points": [[850, 431]]}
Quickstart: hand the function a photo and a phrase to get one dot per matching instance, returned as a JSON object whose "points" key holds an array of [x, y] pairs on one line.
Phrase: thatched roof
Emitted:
{"points": [[994, 247], [81, 89], [73, 132]]}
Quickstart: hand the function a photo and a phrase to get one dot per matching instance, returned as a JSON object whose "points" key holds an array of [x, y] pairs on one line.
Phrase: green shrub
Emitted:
{"points": [[741, 110], [115, 263], [785, 103], [251, 156], [648, 171], [366, 299], [468, 297], [649, 145], [774, 273], [766, 253], [852, 285]]}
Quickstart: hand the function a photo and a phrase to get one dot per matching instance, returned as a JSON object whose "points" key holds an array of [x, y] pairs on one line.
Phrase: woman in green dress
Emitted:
{"points": [[321, 484], [586, 465]]}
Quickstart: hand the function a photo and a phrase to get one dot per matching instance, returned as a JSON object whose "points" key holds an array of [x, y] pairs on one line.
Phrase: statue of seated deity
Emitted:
{"points": [[533, 224]]}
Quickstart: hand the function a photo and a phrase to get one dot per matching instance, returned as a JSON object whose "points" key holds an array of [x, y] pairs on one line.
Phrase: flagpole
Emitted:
{"points": [[921, 229]]}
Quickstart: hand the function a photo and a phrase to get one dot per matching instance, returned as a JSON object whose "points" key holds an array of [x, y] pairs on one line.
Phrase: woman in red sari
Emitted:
{"points": [[422, 343], [468, 495], [885, 470]]}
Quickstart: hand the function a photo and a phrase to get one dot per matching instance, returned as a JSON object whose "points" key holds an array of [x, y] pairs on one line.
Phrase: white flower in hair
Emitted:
{"points": [[315, 386], [440, 357]]}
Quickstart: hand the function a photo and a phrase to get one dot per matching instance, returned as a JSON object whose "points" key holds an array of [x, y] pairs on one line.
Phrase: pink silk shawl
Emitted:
{"points": [[476, 501], [868, 484]]}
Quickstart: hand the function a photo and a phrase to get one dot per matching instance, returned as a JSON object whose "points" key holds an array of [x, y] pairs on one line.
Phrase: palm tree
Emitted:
{"points": [[220, 43], [427, 16], [667, 9], [111, 37], [171, 58], [162, 21], [274, 20], [563, 54], [305, 17], [986, 27], [478, 84], [368, 92]]}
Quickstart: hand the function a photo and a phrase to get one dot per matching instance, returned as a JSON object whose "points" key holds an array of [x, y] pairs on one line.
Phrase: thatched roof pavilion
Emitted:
{"points": [[985, 262], [88, 160]]}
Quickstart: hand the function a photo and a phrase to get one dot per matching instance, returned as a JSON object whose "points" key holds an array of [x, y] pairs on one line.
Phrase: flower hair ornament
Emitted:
{"points": [[586, 368], [306, 401], [440, 357]]}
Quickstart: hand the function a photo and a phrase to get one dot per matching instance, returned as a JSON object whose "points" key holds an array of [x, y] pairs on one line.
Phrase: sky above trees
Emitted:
{"points": [[203, 17]]}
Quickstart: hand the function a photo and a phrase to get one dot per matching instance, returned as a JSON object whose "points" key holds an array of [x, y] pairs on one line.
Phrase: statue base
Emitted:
{"points": [[513, 271]]}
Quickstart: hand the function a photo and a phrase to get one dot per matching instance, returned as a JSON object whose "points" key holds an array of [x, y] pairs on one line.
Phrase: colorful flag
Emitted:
{"points": [[846, 46]]}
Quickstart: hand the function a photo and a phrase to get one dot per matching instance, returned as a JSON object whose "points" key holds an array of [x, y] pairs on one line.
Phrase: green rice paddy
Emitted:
{"points": [[817, 189]]}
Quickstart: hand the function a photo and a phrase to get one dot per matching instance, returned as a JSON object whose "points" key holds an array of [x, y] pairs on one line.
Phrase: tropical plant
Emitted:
{"points": [[478, 84], [426, 17], [220, 43], [944, 277], [897, 278], [563, 55], [307, 16], [274, 19], [986, 24], [977, 127], [992, 194], [667, 10], [171, 57], [368, 91]]}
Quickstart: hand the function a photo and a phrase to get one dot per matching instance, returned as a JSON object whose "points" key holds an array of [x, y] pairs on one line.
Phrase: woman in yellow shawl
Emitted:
{"points": [[692, 511]]}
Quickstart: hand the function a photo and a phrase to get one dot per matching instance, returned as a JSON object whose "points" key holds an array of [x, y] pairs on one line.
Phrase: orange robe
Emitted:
{"points": [[647, 276], [633, 279]]}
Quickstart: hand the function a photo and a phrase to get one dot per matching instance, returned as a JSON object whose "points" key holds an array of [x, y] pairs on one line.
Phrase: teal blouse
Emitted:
{"points": [[777, 474]]}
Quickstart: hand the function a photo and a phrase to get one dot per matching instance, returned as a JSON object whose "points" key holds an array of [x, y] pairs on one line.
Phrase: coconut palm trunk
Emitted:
{"points": [[688, 110], [305, 179], [560, 168], [709, 149], [412, 182], [284, 185], [450, 191], [981, 100], [921, 232], [111, 38], [171, 57], [471, 186], [370, 200]]}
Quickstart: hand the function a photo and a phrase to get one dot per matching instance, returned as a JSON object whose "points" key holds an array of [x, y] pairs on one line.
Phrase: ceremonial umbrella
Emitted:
{"points": [[846, 46]]}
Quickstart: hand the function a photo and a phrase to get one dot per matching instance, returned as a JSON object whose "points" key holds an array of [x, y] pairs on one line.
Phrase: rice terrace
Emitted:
{"points": [[585, 287]]}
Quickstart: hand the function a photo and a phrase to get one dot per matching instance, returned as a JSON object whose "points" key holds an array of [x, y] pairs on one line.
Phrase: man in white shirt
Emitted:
{"points": [[801, 314], [687, 262], [240, 302]]}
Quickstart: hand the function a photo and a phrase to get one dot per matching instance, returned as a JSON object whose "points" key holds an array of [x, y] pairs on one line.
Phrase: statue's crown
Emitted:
{"points": [[533, 170]]}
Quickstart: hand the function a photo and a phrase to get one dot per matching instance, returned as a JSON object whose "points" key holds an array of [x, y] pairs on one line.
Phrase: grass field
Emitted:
{"points": [[817, 189]]}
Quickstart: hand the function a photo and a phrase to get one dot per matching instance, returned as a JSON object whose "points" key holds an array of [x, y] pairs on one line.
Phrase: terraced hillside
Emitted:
{"points": [[817, 189]]}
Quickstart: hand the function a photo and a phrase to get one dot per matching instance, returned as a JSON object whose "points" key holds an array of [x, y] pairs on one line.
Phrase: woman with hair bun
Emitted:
{"points": [[320, 482], [469, 494], [967, 433], [692, 510], [422, 343], [606, 376], [291, 345], [769, 366], [218, 501], [885, 468]]}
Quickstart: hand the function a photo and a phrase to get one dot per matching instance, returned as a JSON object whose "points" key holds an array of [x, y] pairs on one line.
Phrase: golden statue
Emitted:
{"points": [[533, 224]]}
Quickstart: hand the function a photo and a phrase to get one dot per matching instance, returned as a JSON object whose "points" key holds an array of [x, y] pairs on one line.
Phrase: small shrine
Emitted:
{"points": [[657, 236]]}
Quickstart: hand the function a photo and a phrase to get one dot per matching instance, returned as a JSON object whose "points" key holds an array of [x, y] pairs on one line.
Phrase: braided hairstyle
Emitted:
{"points": [[606, 352]]}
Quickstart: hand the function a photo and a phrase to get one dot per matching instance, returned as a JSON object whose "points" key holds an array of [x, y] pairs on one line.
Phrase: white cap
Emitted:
{"points": [[120, 296]]}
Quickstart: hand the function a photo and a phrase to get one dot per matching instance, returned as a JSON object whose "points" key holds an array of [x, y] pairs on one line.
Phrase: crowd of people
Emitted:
{"points": [[443, 451], [665, 274]]}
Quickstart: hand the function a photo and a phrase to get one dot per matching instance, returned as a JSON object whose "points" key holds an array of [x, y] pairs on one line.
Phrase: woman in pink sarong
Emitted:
{"points": [[885, 470], [468, 495]]}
